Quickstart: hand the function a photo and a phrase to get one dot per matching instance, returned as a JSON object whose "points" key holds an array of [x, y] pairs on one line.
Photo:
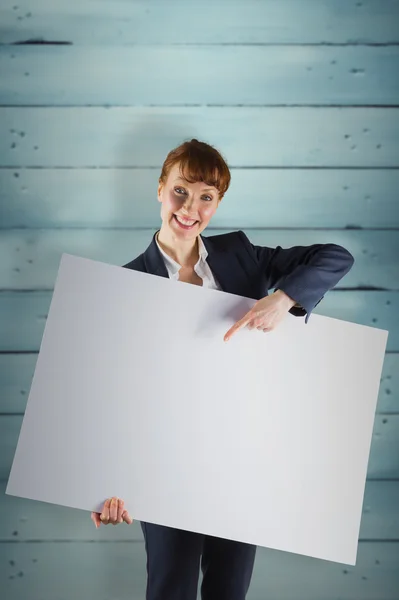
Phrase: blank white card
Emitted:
{"points": [[264, 439]]}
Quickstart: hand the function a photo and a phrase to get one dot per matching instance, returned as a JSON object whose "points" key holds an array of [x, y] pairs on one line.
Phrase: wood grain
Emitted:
{"points": [[45, 570], [260, 198], [111, 22], [283, 137], [29, 259], [142, 75]]}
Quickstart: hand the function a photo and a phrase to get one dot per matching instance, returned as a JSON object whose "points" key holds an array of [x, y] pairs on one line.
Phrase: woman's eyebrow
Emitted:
{"points": [[185, 180]]}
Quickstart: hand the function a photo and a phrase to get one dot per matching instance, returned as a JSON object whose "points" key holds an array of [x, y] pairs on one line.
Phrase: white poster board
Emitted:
{"points": [[263, 439]]}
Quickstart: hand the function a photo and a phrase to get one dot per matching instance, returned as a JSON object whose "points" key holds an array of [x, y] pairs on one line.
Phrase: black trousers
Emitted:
{"points": [[173, 563]]}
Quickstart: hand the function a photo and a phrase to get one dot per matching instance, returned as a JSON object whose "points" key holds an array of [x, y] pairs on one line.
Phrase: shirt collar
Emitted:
{"points": [[175, 267]]}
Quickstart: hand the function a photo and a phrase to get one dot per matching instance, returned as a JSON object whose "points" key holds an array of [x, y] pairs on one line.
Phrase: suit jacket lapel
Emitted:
{"points": [[227, 269], [153, 260], [225, 266]]}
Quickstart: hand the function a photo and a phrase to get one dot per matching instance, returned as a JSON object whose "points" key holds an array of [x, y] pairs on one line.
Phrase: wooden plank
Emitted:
{"points": [[45, 571], [23, 315], [384, 452], [301, 198], [383, 463], [271, 21], [29, 259], [300, 75], [29, 521], [143, 136], [16, 373]]}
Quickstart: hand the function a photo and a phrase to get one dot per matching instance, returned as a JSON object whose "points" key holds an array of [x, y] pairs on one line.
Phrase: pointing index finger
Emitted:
{"points": [[237, 326]]}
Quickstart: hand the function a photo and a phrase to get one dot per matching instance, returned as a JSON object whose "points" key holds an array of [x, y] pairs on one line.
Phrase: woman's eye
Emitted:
{"points": [[182, 191]]}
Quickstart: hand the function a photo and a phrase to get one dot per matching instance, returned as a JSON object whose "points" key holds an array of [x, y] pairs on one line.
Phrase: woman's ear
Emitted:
{"points": [[160, 186]]}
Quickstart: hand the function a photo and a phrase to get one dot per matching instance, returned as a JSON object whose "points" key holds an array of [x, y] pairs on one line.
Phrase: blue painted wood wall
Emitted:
{"points": [[301, 97]]}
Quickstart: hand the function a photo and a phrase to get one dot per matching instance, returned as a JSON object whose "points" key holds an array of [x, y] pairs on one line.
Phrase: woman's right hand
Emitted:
{"points": [[113, 512]]}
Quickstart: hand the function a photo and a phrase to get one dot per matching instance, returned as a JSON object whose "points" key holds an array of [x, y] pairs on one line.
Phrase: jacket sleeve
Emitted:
{"points": [[305, 273]]}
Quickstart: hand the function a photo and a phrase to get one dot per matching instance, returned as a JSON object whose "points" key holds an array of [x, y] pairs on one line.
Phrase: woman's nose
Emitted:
{"points": [[189, 205]]}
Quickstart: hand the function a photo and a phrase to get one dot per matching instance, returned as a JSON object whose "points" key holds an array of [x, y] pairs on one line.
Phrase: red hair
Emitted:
{"points": [[198, 162]]}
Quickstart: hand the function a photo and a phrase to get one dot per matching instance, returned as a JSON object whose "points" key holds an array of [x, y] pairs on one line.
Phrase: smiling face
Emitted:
{"points": [[190, 203]]}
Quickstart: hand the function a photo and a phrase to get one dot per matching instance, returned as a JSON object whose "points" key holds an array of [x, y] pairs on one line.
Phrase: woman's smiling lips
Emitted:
{"points": [[183, 223]]}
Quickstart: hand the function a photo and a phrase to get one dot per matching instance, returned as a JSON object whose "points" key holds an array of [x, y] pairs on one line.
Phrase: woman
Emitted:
{"points": [[193, 181]]}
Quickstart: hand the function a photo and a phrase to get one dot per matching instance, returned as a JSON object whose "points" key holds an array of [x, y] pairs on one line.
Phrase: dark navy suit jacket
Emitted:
{"points": [[305, 273]]}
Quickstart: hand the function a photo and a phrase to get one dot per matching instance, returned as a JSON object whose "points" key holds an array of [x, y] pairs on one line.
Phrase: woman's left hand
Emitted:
{"points": [[265, 315]]}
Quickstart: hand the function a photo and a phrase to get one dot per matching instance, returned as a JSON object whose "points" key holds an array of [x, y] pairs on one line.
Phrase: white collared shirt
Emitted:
{"points": [[202, 268]]}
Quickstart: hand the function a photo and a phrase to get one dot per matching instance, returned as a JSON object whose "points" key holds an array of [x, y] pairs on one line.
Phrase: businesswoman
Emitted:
{"points": [[193, 181]]}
